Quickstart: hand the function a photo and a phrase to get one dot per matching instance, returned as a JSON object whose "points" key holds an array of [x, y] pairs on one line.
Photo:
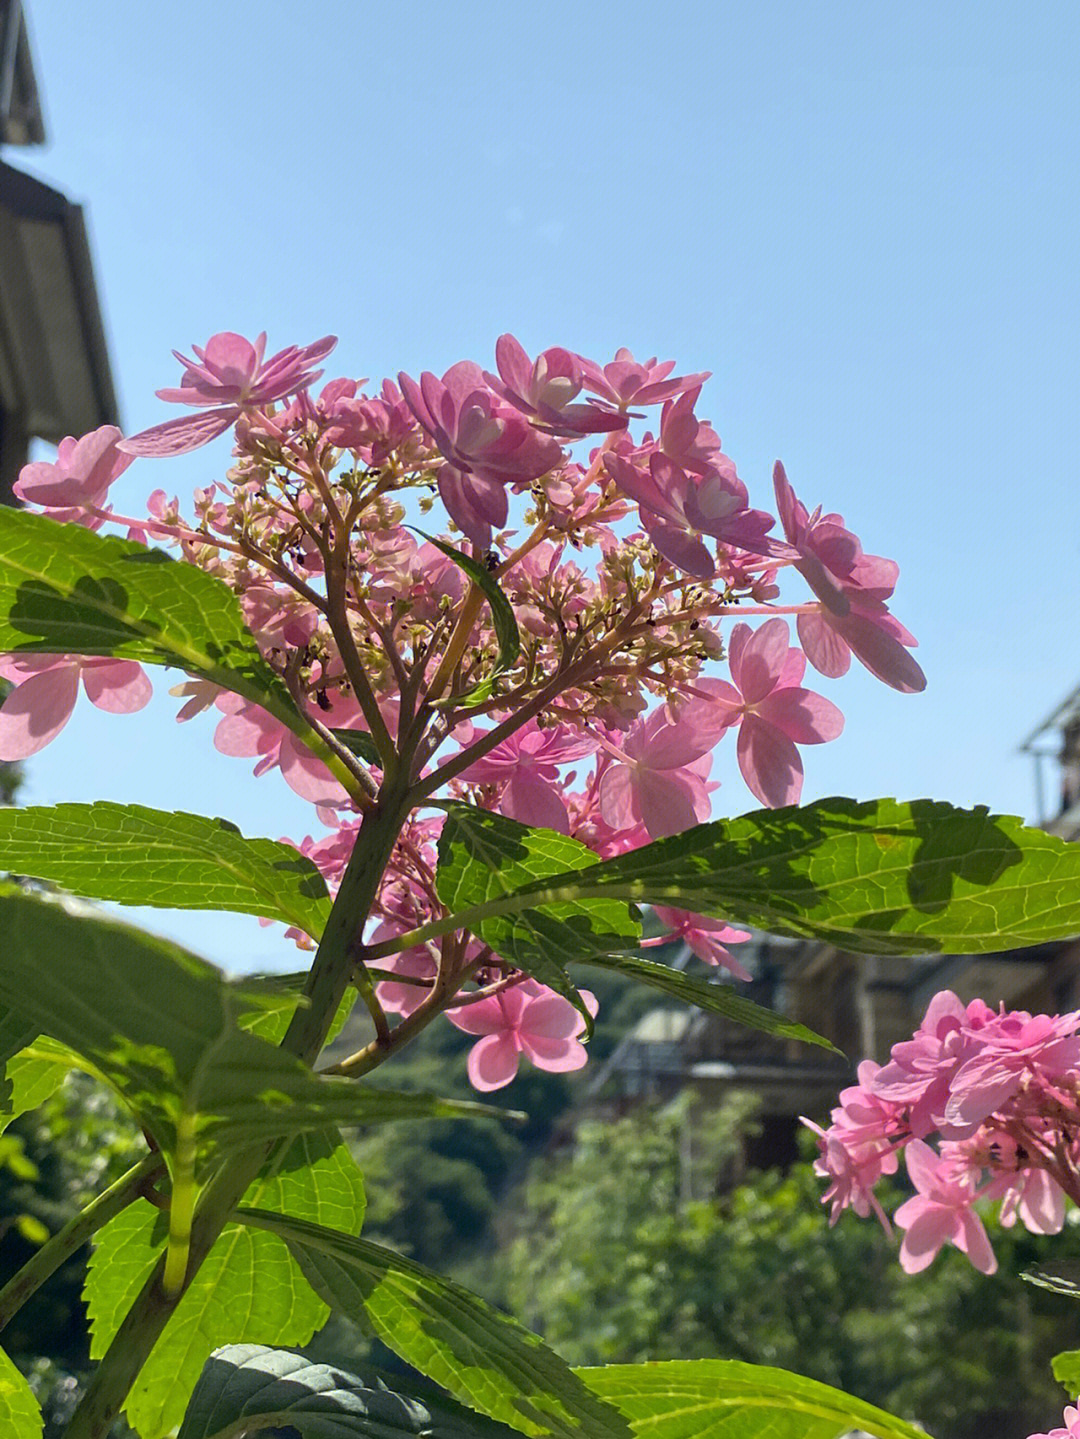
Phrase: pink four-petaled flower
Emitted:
{"points": [[47, 687], [526, 1019], [80, 475], [774, 713], [940, 1213]]}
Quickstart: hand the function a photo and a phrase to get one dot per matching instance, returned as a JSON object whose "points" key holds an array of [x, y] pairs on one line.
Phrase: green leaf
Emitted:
{"points": [[20, 1416], [66, 590], [483, 1357], [502, 617], [879, 877], [718, 998], [361, 744], [1066, 1369], [35, 1073], [248, 1288], [248, 1387], [485, 859], [725, 1399], [1062, 1277], [162, 1027], [134, 855], [278, 997], [15, 1035]]}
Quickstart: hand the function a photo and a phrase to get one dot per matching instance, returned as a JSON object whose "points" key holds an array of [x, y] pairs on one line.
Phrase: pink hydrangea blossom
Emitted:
{"points": [[852, 588], [527, 764], [544, 389], [707, 938], [774, 713], [1008, 1047], [526, 1019], [678, 506], [625, 381], [1071, 1429], [47, 687], [485, 443], [940, 1213], [227, 378], [658, 778], [80, 475]]}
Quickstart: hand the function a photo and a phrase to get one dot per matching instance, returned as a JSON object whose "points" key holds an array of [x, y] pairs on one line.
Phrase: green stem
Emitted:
{"points": [[153, 1308], [333, 965], [326, 984], [69, 1240]]}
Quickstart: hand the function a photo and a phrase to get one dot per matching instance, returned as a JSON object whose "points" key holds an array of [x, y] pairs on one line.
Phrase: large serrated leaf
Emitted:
{"points": [[248, 1288], [134, 855], [248, 1387], [20, 1415], [483, 1357], [163, 1028], [485, 857], [717, 998], [66, 590], [726, 1399], [878, 877]]}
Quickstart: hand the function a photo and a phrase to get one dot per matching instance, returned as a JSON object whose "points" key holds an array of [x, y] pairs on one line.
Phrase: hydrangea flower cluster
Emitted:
{"points": [[1000, 1091], [623, 538]]}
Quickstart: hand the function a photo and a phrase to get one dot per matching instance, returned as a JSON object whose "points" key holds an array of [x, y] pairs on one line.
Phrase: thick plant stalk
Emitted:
{"points": [[67, 1241], [329, 978]]}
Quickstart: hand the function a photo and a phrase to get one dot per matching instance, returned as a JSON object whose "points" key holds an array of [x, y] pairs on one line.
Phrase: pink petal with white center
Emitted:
{"points": [[769, 762], [552, 1017], [119, 686], [36, 712], [493, 1062], [825, 649], [685, 550], [178, 437], [805, 717]]}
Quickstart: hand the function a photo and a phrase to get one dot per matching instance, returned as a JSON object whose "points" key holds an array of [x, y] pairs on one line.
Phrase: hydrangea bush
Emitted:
{"points": [[492, 627]]}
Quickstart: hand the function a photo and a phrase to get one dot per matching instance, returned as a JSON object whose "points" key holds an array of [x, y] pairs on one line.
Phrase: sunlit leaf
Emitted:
{"points": [[134, 855], [878, 877], [483, 1357], [725, 1399]]}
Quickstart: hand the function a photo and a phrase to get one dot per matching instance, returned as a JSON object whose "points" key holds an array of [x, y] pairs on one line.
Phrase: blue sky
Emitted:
{"points": [[862, 219]]}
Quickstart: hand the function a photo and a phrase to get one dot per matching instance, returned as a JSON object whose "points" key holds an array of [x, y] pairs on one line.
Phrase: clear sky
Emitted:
{"points": [[863, 219]]}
